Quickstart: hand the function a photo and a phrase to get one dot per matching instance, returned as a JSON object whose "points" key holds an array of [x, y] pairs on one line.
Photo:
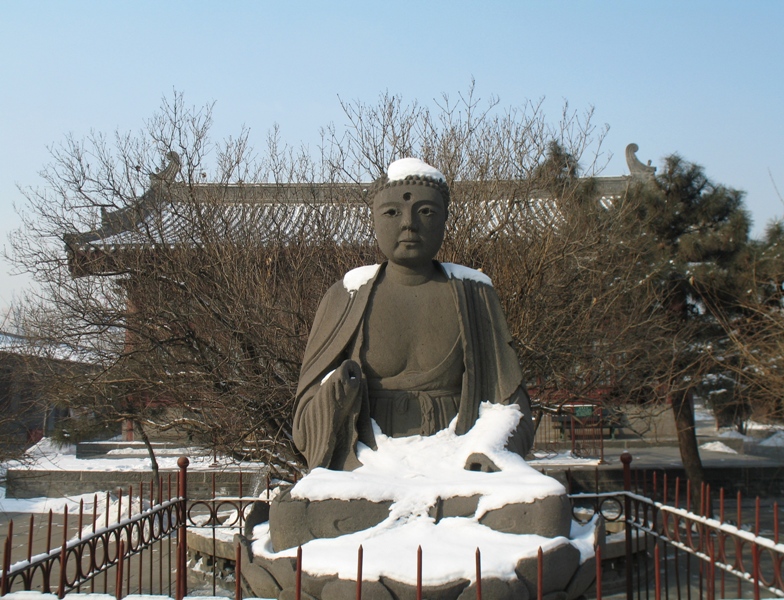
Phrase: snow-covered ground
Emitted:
{"points": [[47, 456]]}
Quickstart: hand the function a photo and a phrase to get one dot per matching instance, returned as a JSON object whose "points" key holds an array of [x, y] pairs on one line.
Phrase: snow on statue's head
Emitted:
{"points": [[411, 171]]}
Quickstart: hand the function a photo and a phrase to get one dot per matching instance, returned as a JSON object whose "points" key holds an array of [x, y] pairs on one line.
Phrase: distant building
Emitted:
{"points": [[25, 414]]}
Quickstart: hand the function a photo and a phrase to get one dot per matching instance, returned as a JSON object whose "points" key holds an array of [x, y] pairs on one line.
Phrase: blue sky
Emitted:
{"points": [[705, 79]]}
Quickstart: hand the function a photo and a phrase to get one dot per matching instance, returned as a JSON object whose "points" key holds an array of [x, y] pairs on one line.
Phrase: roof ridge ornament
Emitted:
{"points": [[169, 172], [637, 168]]}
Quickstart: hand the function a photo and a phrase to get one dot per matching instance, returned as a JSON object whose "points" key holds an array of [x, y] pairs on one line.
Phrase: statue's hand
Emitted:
{"points": [[346, 382]]}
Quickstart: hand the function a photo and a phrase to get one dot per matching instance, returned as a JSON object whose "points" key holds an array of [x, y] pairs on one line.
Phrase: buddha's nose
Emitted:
{"points": [[407, 220]]}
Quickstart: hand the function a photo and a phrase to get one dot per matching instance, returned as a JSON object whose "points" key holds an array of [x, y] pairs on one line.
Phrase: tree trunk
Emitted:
{"points": [[687, 443], [151, 453]]}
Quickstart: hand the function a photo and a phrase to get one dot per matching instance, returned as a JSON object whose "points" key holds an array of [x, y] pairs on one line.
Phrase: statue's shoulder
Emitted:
{"points": [[356, 278], [454, 271], [343, 292]]}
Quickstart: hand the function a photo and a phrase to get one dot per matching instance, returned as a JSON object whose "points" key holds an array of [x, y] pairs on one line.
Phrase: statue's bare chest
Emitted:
{"points": [[418, 326]]}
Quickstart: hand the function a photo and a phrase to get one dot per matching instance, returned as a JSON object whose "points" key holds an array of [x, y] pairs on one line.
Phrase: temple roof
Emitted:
{"points": [[171, 213]]}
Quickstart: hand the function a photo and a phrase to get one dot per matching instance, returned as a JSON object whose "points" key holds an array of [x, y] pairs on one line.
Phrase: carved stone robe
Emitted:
{"points": [[492, 372]]}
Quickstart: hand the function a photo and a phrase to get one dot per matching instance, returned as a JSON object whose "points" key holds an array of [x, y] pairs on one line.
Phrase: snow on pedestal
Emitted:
{"points": [[408, 478]]}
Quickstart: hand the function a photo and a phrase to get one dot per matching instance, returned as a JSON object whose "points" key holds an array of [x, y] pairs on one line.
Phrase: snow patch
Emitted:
{"points": [[326, 377], [567, 459], [48, 447], [414, 471], [734, 434], [774, 441], [718, 447], [405, 167], [356, 278], [454, 271], [390, 550], [45, 456]]}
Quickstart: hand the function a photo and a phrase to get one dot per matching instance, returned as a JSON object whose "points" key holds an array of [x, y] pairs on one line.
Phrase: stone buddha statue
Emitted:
{"points": [[413, 344]]}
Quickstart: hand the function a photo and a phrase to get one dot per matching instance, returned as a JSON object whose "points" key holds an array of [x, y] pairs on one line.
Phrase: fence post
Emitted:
{"points": [[360, 558], [419, 574], [61, 583], [182, 530], [238, 571], [598, 552], [478, 575], [6, 566], [626, 459], [120, 562]]}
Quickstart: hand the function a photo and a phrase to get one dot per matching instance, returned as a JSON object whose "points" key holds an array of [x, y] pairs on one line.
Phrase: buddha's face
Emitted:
{"points": [[410, 222]]}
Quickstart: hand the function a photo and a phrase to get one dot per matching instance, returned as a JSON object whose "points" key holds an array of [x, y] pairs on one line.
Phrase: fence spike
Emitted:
{"points": [[298, 583], [478, 574], [360, 556], [81, 518], [238, 572], [30, 538], [664, 489], [677, 492], [65, 523], [757, 516], [539, 574], [49, 531], [419, 573]]}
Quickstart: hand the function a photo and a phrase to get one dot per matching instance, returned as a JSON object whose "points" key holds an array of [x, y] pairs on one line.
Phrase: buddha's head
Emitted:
{"points": [[410, 207]]}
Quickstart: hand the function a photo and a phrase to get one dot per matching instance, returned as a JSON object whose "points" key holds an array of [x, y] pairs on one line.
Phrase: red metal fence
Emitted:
{"points": [[668, 550], [578, 428]]}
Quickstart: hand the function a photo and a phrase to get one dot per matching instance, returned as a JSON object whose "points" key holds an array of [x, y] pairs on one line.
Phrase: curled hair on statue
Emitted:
{"points": [[383, 183]]}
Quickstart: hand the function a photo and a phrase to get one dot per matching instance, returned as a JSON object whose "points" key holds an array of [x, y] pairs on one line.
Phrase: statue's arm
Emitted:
{"points": [[329, 385], [522, 440], [323, 412]]}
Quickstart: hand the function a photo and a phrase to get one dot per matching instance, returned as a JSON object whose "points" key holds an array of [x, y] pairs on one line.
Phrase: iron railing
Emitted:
{"points": [[576, 428], [675, 541]]}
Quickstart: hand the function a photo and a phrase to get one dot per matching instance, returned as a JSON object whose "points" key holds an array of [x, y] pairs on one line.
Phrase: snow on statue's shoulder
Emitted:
{"points": [[454, 271], [356, 278]]}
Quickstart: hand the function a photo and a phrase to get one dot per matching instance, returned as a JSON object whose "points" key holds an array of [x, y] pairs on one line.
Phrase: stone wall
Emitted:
{"points": [[35, 484]]}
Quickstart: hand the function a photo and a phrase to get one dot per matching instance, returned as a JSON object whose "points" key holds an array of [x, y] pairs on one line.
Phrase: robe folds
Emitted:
{"points": [[327, 437]]}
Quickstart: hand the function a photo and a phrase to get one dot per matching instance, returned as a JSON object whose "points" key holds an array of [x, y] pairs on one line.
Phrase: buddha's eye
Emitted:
{"points": [[427, 211], [390, 212]]}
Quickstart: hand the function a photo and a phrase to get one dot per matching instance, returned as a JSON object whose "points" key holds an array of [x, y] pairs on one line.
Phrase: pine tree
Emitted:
{"points": [[701, 253]]}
